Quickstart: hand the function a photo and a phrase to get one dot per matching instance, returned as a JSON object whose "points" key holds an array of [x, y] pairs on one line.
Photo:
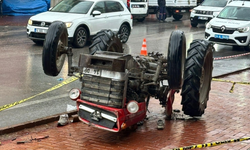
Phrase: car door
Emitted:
{"points": [[115, 14], [98, 22]]}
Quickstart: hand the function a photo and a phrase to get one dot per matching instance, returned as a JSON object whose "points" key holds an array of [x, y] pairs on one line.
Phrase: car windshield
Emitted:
{"points": [[73, 6], [214, 3], [235, 13]]}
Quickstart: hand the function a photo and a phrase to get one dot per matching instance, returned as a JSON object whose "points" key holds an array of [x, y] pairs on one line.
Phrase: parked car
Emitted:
{"points": [[204, 12], [231, 26], [83, 18]]}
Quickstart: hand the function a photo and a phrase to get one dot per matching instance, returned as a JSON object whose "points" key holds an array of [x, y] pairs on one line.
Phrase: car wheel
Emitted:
{"points": [[236, 47], [177, 17], [176, 59], [38, 42], [124, 33], [194, 24], [105, 40], [141, 19], [53, 48], [80, 37], [197, 78], [247, 48]]}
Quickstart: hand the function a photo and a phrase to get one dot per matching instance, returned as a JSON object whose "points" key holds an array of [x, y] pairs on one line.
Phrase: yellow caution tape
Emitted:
{"points": [[212, 144], [232, 88], [67, 81]]}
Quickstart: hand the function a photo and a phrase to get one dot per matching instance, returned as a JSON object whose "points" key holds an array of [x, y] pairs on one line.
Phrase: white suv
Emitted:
{"points": [[83, 18], [231, 26], [205, 11]]}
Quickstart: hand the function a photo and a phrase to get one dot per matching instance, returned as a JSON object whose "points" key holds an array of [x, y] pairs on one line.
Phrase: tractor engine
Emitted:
{"points": [[110, 78]]}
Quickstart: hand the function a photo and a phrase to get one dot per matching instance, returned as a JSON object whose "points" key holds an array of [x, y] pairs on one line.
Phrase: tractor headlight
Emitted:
{"points": [[132, 107], [74, 94], [30, 22], [244, 29], [68, 24]]}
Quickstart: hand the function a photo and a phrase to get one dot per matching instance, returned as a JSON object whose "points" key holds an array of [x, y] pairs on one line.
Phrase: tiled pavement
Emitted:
{"points": [[227, 117]]}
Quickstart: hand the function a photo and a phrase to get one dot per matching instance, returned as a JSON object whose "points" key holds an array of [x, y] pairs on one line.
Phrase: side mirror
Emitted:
{"points": [[96, 12]]}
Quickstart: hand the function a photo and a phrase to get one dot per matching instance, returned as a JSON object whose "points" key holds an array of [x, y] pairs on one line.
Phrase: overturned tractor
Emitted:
{"points": [[117, 87]]}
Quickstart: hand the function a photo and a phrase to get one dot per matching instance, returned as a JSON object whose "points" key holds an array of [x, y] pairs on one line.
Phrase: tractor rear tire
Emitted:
{"points": [[176, 59], [106, 40], [197, 78], [53, 56]]}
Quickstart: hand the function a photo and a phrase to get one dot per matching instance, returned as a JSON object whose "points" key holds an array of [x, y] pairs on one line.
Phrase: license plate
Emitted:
{"points": [[92, 71], [203, 18], [183, 10], [221, 36], [37, 30]]}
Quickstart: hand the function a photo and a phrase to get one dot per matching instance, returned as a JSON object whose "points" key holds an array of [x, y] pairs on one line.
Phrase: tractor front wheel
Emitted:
{"points": [[176, 59], [54, 45]]}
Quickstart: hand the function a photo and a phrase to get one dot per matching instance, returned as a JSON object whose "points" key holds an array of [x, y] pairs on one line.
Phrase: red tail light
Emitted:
{"points": [[131, 17]]}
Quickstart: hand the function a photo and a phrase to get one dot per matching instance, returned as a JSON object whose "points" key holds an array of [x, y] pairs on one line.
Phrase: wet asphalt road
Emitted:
{"points": [[22, 74]]}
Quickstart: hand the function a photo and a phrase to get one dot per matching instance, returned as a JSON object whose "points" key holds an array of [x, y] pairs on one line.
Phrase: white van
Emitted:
{"points": [[204, 12], [231, 26]]}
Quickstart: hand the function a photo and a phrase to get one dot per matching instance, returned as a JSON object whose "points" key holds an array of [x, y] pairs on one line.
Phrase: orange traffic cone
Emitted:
{"points": [[144, 48]]}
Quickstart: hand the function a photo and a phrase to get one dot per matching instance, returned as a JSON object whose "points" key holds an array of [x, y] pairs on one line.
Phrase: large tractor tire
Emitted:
{"points": [[53, 48], [106, 40], [197, 78], [176, 59]]}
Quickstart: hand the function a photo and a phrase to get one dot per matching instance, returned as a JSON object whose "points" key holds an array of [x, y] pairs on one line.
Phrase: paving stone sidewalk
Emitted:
{"points": [[226, 117]]}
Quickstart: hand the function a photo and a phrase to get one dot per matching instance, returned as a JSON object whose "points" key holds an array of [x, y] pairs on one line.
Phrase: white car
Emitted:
{"points": [[231, 26], [205, 11], [83, 18]]}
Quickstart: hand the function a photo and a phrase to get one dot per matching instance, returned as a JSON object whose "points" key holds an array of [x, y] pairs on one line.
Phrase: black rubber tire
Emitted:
{"points": [[124, 33], [197, 78], [236, 47], [194, 24], [53, 57], [247, 48], [141, 19], [80, 37], [38, 42], [158, 13], [106, 40], [176, 59], [177, 16]]}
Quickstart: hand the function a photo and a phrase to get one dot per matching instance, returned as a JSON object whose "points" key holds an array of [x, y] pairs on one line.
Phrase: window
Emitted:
{"points": [[138, 0], [214, 3], [236, 13], [70, 6], [113, 6], [100, 7]]}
